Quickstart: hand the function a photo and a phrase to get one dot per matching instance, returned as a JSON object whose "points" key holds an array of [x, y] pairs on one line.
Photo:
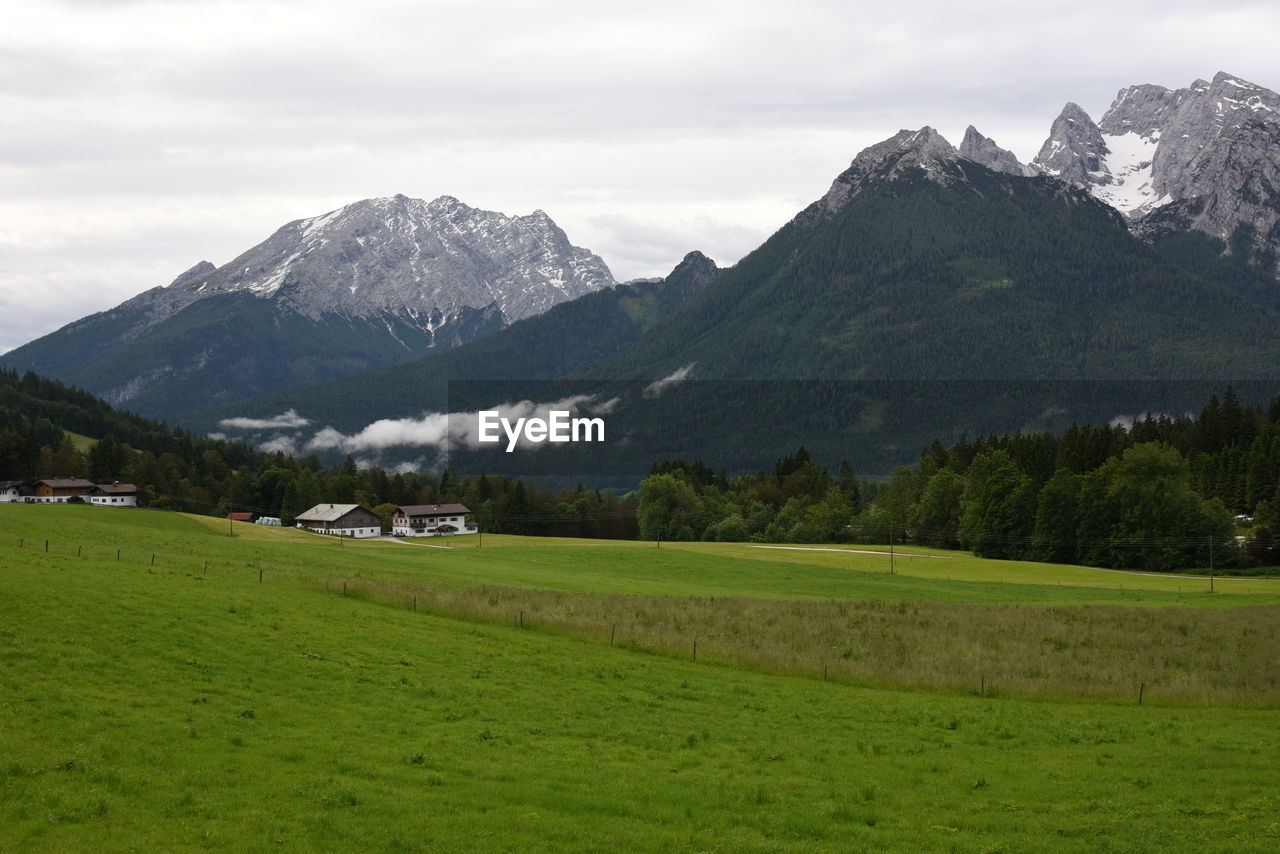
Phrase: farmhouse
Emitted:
{"points": [[68, 490], [114, 495], [431, 520], [347, 520], [59, 490]]}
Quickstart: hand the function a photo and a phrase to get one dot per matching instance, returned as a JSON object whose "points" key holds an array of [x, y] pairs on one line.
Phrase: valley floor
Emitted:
{"points": [[167, 687]]}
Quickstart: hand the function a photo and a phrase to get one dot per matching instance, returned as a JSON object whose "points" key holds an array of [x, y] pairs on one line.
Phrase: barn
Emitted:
{"points": [[346, 520]]}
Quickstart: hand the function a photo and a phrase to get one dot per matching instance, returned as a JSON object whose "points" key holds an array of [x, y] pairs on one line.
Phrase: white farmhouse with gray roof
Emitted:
{"points": [[346, 520]]}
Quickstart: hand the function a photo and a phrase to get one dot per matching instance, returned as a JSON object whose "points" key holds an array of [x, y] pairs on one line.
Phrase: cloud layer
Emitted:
{"points": [[438, 431], [289, 419]]}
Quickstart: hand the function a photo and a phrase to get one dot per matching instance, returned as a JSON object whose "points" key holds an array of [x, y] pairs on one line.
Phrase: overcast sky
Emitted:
{"points": [[137, 138]]}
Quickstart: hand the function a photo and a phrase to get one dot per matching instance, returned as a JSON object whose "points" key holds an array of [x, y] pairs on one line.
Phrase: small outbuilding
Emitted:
{"points": [[431, 520], [347, 520]]}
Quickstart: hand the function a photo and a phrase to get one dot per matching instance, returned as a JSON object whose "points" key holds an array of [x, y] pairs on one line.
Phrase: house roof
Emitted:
{"points": [[66, 483], [327, 512], [117, 489], [433, 509]]}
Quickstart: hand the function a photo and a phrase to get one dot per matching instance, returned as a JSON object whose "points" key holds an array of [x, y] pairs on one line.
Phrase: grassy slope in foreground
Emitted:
{"points": [[166, 709], [801, 613]]}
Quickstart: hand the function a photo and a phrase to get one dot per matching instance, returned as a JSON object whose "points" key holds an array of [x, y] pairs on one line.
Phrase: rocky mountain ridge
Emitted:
{"points": [[1204, 158], [373, 283], [425, 262]]}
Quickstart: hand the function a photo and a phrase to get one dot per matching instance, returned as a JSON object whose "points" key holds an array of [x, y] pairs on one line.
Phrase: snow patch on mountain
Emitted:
{"points": [[1128, 179]]}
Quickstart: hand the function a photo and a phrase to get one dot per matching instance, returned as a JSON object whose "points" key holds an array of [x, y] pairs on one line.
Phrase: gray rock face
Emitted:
{"points": [[984, 150], [697, 269], [203, 268], [1075, 150], [907, 149], [1206, 157], [426, 262]]}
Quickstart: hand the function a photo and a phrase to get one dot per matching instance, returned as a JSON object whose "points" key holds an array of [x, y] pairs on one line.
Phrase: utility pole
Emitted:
{"points": [[1211, 563], [891, 570]]}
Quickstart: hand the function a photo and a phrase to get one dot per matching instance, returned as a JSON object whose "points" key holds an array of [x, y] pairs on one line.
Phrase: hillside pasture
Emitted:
{"points": [[817, 614], [167, 708]]}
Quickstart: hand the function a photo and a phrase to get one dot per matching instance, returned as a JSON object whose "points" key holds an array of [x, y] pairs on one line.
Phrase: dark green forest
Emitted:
{"points": [[1160, 494]]}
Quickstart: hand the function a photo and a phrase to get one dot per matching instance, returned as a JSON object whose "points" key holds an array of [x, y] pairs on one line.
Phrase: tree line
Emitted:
{"points": [[1161, 494], [1157, 494]]}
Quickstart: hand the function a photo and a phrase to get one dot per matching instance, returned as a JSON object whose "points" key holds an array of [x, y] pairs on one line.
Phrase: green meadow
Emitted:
{"points": [[167, 686]]}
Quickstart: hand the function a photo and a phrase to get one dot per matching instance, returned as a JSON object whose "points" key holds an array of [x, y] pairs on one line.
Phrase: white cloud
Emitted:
{"points": [[679, 375], [442, 431], [430, 430], [288, 419], [282, 444]]}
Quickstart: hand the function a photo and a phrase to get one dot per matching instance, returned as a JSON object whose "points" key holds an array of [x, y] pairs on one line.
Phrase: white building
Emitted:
{"points": [[114, 495], [10, 491], [431, 520], [346, 520]]}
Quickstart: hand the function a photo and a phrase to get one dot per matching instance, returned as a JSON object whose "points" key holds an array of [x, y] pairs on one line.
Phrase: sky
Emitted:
{"points": [[137, 138]]}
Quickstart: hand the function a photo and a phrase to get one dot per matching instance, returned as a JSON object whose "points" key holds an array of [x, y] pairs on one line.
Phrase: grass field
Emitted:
{"points": [[162, 706], [82, 443]]}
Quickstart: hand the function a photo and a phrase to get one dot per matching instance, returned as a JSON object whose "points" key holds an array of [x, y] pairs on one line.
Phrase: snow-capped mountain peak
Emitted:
{"points": [[410, 257], [1206, 157]]}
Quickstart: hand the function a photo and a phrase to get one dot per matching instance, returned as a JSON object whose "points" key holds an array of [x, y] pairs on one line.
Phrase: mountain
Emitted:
{"points": [[924, 295], [373, 283], [981, 149], [566, 339], [1203, 158], [920, 263]]}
